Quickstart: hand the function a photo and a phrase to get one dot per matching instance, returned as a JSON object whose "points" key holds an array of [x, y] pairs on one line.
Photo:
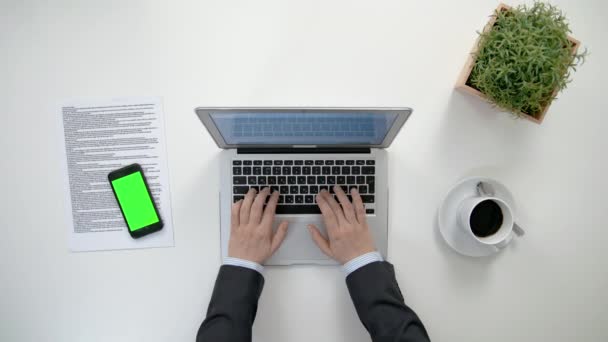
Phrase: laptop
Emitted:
{"points": [[299, 152]]}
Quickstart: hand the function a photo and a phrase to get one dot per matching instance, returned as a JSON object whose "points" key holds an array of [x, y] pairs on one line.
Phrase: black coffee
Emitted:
{"points": [[486, 218]]}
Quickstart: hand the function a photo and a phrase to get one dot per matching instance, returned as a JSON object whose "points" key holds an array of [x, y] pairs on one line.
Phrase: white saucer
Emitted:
{"points": [[448, 216]]}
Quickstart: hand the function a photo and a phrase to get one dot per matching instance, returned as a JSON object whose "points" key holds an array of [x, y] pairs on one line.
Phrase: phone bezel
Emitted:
{"points": [[125, 171]]}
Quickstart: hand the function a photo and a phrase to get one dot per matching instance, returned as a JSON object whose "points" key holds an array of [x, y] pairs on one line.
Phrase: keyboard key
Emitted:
{"points": [[341, 180], [306, 170], [282, 180], [350, 162], [288, 199], [261, 180], [360, 162], [323, 187], [278, 162], [257, 170], [252, 180], [257, 162], [329, 162], [255, 187], [331, 180], [308, 162], [288, 162], [313, 189], [344, 188], [236, 162], [236, 171], [281, 199], [246, 162], [367, 198], [368, 170], [298, 209], [299, 162], [350, 180], [237, 198], [362, 189], [339, 162], [293, 189], [267, 170], [273, 189], [299, 199], [361, 179], [240, 190], [272, 180], [303, 189], [371, 188], [346, 170], [276, 170], [247, 170], [291, 180], [267, 162], [370, 162], [239, 180], [316, 170], [335, 170], [301, 179], [370, 180], [326, 170], [309, 199], [286, 170], [296, 170], [311, 180], [351, 188], [355, 170], [369, 211], [284, 190], [318, 162], [320, 180]]}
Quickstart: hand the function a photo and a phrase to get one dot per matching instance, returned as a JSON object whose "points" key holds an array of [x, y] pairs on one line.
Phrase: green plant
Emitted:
{"points": [[524, 58]]}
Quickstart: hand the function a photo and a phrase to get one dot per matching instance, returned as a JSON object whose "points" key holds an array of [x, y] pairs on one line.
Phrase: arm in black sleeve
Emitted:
{"points": [[233, 306], [380, 305]]}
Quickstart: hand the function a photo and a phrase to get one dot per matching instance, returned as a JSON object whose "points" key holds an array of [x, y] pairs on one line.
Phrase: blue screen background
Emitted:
{"points": [[303, 128]]}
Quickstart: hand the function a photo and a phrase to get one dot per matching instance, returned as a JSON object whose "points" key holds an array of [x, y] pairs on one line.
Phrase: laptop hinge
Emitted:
{"points": [[301, 150]]}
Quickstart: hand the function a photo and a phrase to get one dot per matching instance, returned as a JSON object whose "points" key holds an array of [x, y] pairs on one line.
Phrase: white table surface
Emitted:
{"points": [[550, 286]]}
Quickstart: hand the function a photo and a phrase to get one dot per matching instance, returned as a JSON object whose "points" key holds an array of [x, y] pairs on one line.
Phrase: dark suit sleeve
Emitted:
{"points": [[380, 305], [233, 306]]}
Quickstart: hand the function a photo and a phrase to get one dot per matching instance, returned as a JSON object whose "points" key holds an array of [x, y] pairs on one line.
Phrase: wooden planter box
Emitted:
{"points": [[461, 84]]}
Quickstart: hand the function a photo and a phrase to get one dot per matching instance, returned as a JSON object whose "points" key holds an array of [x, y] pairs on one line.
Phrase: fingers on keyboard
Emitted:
{"points": [[298, 181]]}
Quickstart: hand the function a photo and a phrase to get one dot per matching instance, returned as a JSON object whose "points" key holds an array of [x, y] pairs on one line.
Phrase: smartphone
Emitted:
{"points": [[135, 200]]}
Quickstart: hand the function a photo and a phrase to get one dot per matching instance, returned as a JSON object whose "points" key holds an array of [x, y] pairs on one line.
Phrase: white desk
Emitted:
{"points": [[549, 286]]}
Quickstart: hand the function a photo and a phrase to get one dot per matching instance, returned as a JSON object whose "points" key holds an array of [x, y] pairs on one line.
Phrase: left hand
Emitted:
{"points": [[251, 236]]}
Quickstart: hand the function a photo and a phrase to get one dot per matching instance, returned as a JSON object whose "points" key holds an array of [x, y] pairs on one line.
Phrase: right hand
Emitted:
{"points": [[347, 230]]}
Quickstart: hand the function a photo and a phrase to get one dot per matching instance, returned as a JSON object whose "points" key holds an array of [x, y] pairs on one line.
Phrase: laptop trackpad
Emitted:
{"points": [[298, 246]]}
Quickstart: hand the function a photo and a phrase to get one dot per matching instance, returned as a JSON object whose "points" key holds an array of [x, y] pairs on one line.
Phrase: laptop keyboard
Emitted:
{"points": [[299, 181]]}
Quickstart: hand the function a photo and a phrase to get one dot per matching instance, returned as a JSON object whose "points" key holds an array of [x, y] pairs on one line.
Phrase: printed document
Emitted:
{"points": [[102, 136]]}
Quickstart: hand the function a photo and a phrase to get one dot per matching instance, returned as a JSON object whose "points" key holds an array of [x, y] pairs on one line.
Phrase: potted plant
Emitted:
{"points": [[522, 59]]}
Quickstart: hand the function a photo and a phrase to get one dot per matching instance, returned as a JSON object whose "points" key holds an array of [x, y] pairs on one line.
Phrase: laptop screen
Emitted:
{"points": [[287, 128]]}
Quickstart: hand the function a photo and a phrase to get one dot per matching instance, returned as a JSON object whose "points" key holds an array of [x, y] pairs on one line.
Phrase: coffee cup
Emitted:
{"points": [[488, 220]]}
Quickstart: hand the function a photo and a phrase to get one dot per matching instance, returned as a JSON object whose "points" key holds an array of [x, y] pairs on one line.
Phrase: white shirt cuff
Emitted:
{"points": [[361, 261], [244, 263]]}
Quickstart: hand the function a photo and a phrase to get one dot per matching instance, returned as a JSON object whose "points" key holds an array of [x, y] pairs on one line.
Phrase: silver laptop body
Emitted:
{"points": [[299, 152]]}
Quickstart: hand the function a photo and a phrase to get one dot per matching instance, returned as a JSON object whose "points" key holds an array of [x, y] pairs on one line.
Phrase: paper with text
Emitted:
{"points": [[102, 136]]}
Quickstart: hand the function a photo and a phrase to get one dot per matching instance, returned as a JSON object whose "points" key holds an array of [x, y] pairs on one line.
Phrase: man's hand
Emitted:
{"points": [[346, 225], [251, 236]]}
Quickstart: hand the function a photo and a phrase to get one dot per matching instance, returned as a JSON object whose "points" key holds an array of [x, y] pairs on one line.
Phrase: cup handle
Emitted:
{"points": [[502, 244]]}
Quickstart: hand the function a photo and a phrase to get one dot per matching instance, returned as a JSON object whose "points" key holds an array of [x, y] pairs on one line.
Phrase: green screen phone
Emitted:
{"points": [[135, 200]]}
